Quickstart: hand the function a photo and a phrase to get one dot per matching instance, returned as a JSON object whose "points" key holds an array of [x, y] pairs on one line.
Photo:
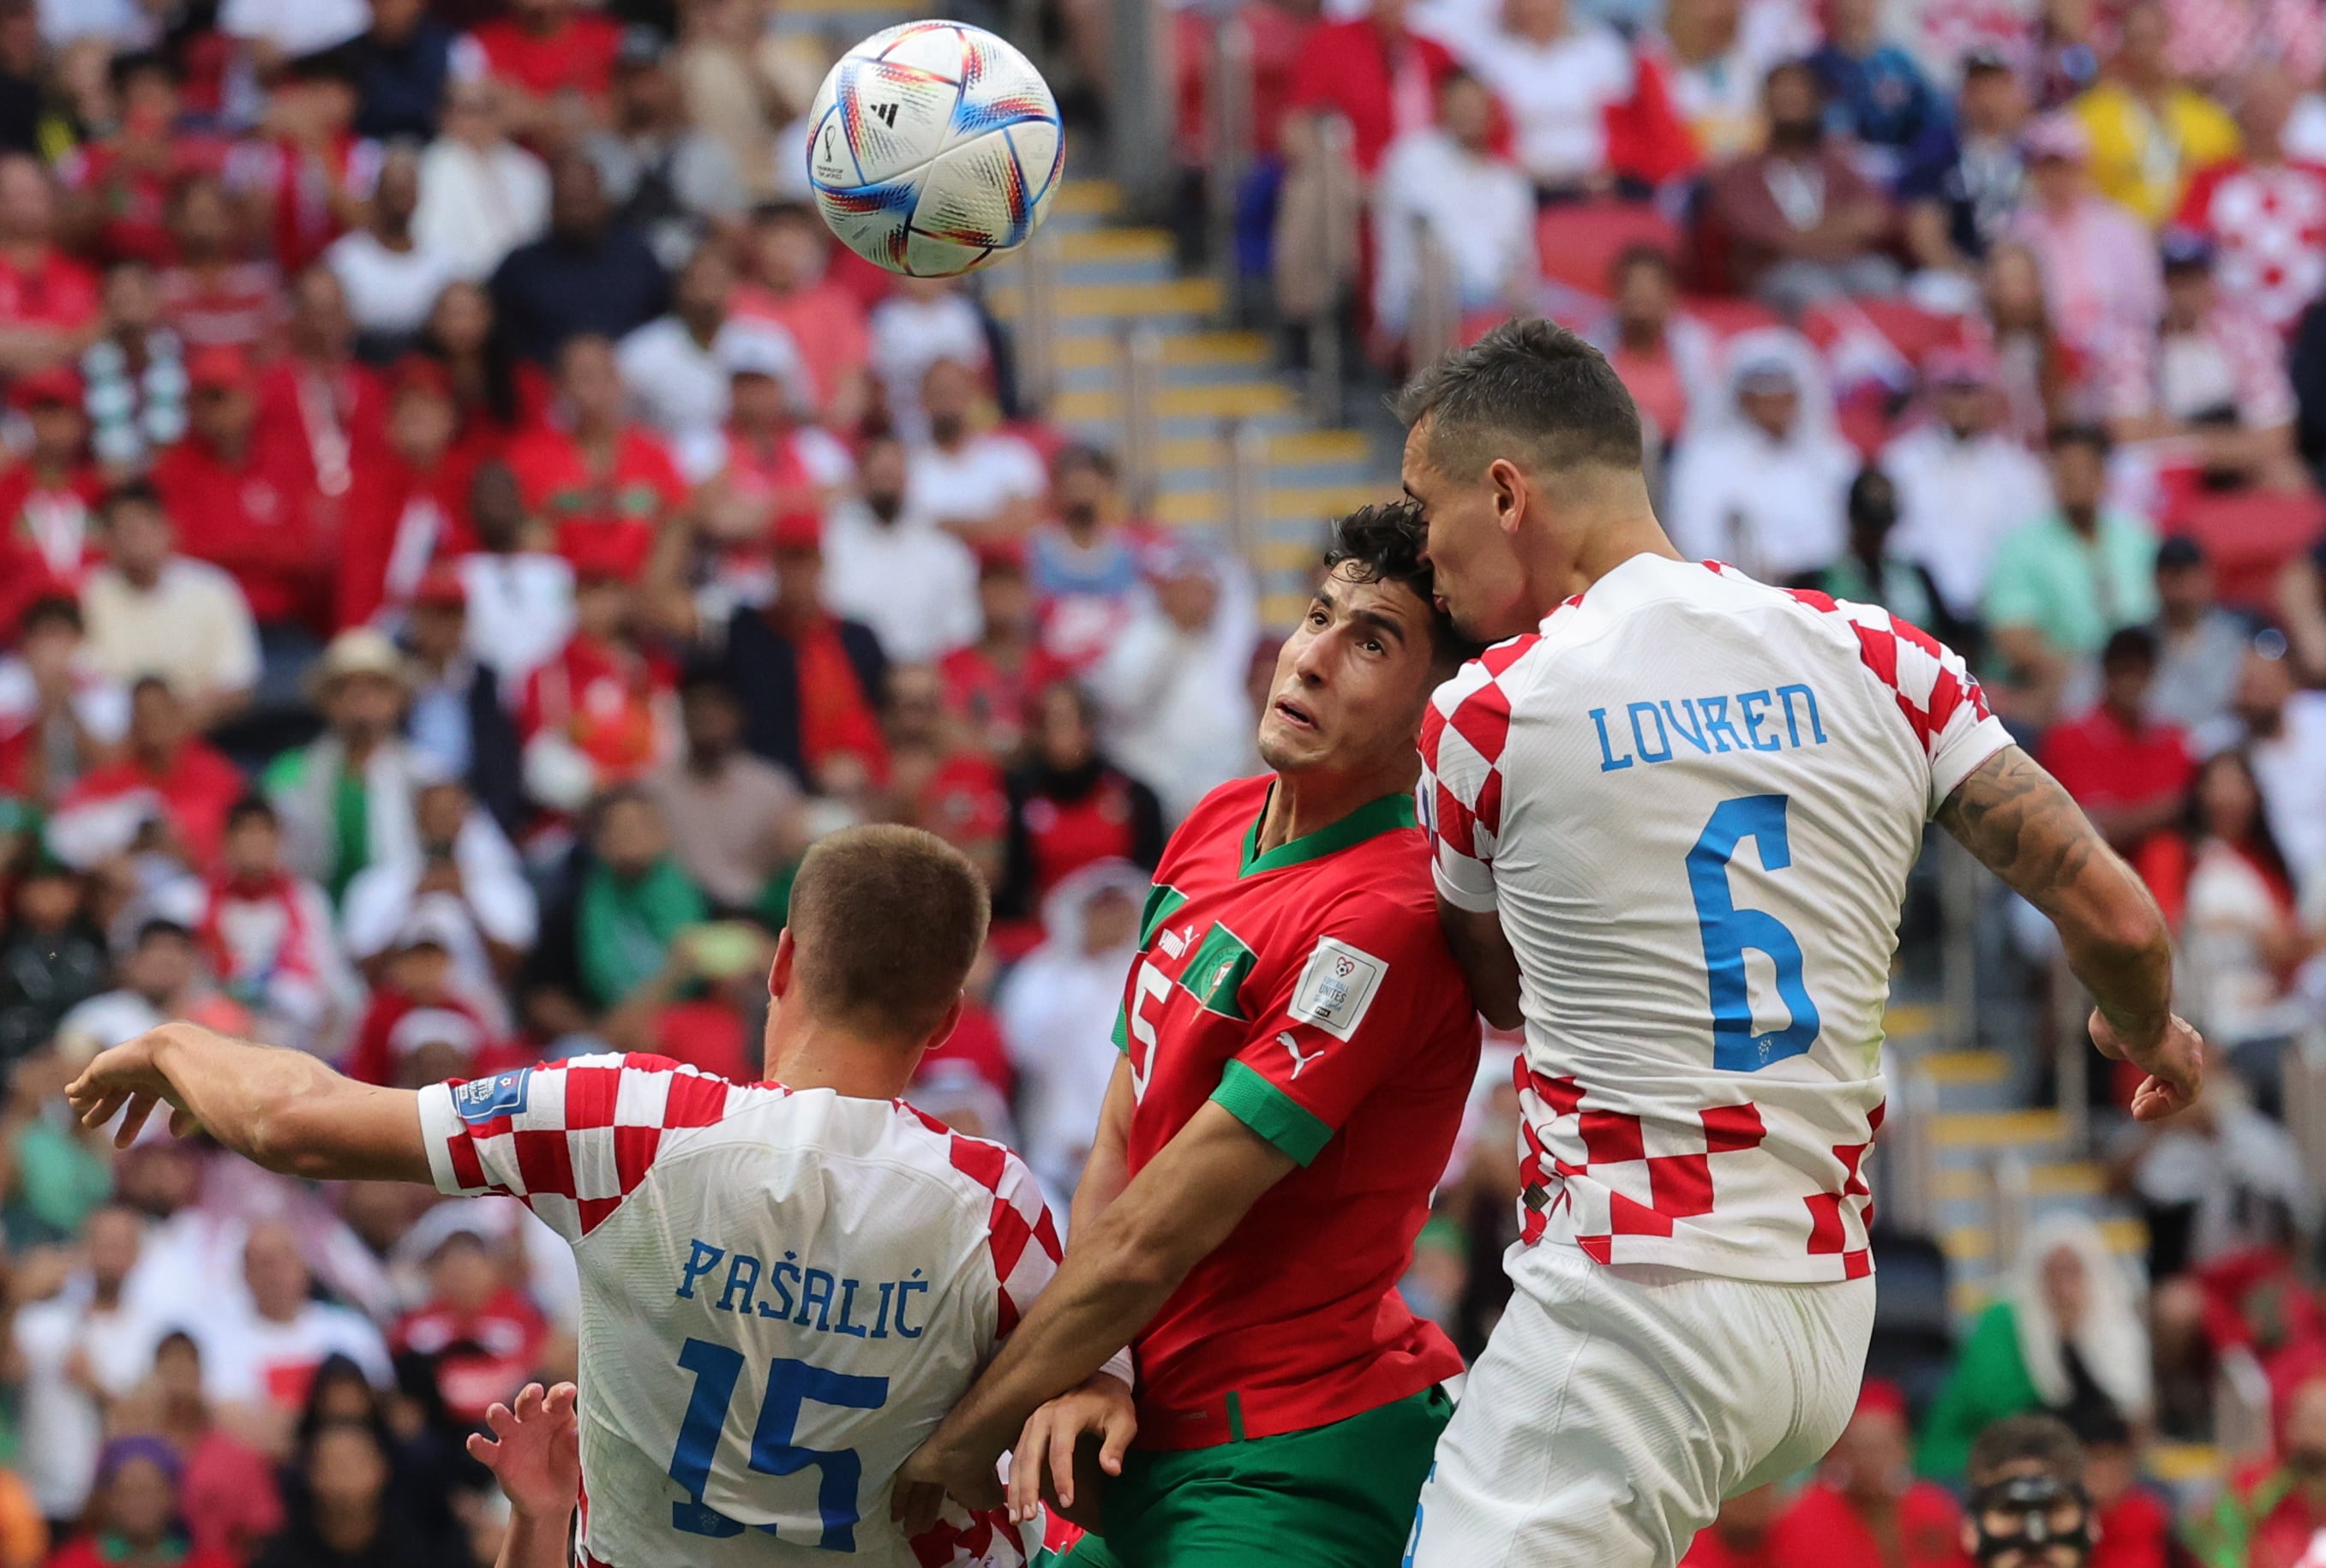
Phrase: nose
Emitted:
{"points": [[1310, 662]]}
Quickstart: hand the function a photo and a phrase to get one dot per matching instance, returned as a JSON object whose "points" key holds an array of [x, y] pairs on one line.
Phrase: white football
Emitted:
{"points": [[934, 147]]}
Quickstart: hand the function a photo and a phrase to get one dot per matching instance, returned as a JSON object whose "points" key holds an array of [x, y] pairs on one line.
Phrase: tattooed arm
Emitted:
{"points": [[2026, 829]]}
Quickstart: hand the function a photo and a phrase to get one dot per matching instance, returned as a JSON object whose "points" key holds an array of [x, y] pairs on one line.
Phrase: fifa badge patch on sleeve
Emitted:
{"points": [[1337, 987], [483, 1098]]}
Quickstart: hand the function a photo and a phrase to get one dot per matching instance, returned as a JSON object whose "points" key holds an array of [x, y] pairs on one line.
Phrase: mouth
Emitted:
{"points": [[1293, 714]]}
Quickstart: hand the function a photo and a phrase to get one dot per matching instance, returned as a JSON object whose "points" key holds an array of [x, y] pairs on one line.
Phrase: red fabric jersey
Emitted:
{"points": [[578, 52], [2267, 222], [976, 1045], [1385, 84], [51, 289], [134, 196], [47, 539], [399, 522], [1710, 1550], [256, 518], [997, 701], [294, 184], [396, 1024], [332, 418], [1309, 991], [827, 323], [600, 697], [1823, 1528], [481, 1356], [88, 1552], [240, 305], [197, 790], [636, 494], [2136, 1532], [2282, 1534], [2103, 762], [708, 1034]]}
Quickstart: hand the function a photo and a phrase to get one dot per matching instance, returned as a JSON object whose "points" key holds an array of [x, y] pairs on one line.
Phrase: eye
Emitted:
{"points": [[1374, 645], [1316, 616]]}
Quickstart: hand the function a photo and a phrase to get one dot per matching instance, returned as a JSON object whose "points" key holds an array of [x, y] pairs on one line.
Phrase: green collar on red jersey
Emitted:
{"points": [[1375, 818]]}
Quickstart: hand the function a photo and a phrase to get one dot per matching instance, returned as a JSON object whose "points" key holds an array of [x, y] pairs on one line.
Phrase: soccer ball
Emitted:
{"points": [[934, 147]]}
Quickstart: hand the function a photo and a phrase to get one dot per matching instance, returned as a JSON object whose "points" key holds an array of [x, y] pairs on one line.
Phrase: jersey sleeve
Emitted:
{"points": [[1465, 736], [573, 1140], [1351, 1014], [1020, 1234], [1939, 697]]}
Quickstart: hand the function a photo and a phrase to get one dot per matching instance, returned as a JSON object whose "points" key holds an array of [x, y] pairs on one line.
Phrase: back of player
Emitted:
{"points": [[783, 1293]]}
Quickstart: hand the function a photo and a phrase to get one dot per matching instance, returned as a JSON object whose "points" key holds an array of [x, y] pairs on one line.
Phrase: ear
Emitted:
{"points": [[779, 972], [946, 1025], [1511, 492]]}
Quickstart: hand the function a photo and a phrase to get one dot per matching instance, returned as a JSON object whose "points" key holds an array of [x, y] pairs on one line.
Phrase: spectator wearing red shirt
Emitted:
{"points": [[48, 302], [417, 1029], [992, 684], [1375, 72], [133, 1519], [318, 401], [591, 468], [305, 178], [165, 774], [120, 185], [241, 502], [218, 295], [2134, 1523], [1069, 805], [547, 51], [2267, 1517], [409, 506], [1739, 1536], [2265, 212], [48, 499], [2129, 773], [603, 711], [706, 1007], [941, 778], [483, 1336], [789, 253], [1866, 1506], [497, 395]]}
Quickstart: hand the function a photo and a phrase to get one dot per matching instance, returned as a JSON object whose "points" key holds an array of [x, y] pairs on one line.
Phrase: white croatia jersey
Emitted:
{"points": [[1693, 800], [783, 1293]]}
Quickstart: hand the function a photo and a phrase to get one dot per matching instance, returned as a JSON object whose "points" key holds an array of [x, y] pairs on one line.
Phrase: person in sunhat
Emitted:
{"points": [[346, 797]]}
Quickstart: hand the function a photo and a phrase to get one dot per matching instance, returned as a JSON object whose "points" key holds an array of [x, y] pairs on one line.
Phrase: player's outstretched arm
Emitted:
{"points": [[534, 1451], [281, 1109], [2025, 828]]}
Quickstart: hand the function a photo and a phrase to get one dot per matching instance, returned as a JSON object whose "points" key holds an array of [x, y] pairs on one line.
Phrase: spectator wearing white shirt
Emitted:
{"points": [[390, 279], [80, 1349], [520, 593], [885, 564], [264, 1354], [2284, 730], [466, 883], [1763, 484], [281, 29], [1444, 184], [59, 715], [151, 611], [1962, 482], [677, 365], [481, 195], [1559, 75], [922, 322], [977, 483]]}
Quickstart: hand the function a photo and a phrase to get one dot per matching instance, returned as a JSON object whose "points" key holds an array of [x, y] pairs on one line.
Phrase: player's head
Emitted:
{"points": [[1352, 680], [884, 925], [1524, 439], [2028, 1508]]}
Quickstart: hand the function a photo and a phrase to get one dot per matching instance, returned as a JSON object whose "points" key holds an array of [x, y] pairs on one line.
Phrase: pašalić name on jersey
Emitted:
{"points": [[1784, 719], [809, 1298]]}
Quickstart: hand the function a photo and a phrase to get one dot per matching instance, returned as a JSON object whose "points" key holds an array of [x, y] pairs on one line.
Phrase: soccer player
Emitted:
{"points": [[1296, 1046], [785, 1285], [1673, 814]]}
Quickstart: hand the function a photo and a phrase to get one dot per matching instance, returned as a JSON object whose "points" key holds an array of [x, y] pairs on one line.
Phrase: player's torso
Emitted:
{"points": [[1296, 1293], [770, 1324], [1709, 813]]}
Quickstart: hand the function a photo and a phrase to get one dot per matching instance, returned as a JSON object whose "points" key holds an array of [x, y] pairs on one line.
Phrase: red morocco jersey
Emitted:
{"points": [[1309, 991]]}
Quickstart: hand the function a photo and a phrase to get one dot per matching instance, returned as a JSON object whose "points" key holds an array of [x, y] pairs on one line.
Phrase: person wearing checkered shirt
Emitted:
{"points": [[1673, 812], [785, 1285]]}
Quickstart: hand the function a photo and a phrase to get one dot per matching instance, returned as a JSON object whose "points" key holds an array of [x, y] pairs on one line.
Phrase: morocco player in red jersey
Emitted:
{"points": [[1298, 1045]]}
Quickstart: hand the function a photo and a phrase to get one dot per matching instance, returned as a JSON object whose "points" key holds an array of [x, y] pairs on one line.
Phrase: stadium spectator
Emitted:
{"points": [[2150, 131], [465, 882], [992, 684], [166, 777], [227, 1495], [2061, 585], [1070, 805], [733, 817], [1563, 78], [339, 1518], [319, 401], [158, 977], [1797, 224], [135, 374], [408, 507], [2039, 370], [2302, 604], [266, 1352], [217, 293], [267, 933], [1762, 480], [2201, 645], [2129, 772], [47, 495], [763, 464], [390, 279], [1664, 355], [1716, 54], [2219, 1181], [922, 322], [1865, 1505], [1446, 185], [2065, 1336], [1085, 563], [979, 483], [810, 682], [1372, 70], [1876, 92], [555, 58], [481, 1336], [2273, 1509], [887, 566], [1740, 1537], [2028, 1505], [2097, 263], [81, 1350], [629, 903], [940, 778], [346, 796], [48, 300], [2283, 729], [519, 591], [789, 253], [134, 1513], [2263, 211], [588, 274], [481, 195], [59, 716], [1963, 483], [1960, 188], [1869, 571], [600, 713], [2132, 1521], [1171, 687], [498, 396], [420, 1028], [676, 365], [457, 719], [665, 178], [590, 472], [402, 64]]}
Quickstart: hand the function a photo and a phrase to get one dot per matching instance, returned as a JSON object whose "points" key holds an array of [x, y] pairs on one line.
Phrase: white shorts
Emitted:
{"points": [[1616, 1407]]}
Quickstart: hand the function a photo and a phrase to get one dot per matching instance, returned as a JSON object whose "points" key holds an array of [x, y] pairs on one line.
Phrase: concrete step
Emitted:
{"points": [[1243, 351], [1185, 301], [1228, 399], [1969, 1080], [1969, 1247], [2065, 1178], [1979, 1211], [1972, 1137], [1304, 504]]}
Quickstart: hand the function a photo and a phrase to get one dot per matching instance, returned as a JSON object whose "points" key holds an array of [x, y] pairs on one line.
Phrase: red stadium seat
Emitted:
{"points": [[1580, 243], [2250, 535]]}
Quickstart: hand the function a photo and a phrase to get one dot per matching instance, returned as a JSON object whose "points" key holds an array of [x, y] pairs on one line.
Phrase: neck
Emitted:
{"points": [[1557, 572], [2180, 619], [2084, 520], [347, 1529], [707, 764], [107, 1295], [1301, 803], [359, 746], [231, 448], [813, 1054], [2130, 718]]}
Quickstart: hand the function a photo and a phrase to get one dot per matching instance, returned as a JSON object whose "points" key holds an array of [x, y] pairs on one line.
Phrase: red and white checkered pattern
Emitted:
{"points": [[2267, 222], [1571, 779], [1020, 1235], [2214, 40]]}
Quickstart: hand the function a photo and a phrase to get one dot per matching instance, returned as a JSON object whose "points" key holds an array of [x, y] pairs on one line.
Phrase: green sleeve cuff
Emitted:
{"points": [[1122, 1030], [1271, 1113]]}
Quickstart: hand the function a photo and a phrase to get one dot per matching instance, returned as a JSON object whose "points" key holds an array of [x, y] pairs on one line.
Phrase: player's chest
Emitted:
{"points": [[1208, 974]]}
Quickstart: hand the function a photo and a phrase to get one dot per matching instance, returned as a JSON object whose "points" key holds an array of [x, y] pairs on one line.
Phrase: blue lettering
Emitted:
{"points": [[783, 1305], [1785, 696], [702, 1261], [880, 1325], [1607, 761], [1639, 740], [817, 1292], [847, 1300], [743, 1275], [1693, 730], [1753, 720], [1716, 724], [905, 1289]]}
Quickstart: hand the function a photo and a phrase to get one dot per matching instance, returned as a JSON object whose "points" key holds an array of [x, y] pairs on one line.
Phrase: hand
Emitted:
{"points": [[2174, 1062], [1102, 1408], [933, 1470], [130, 1074], [535, 1451]]}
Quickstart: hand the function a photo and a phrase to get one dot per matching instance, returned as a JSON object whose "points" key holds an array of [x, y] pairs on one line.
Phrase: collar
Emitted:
{"points": [[1383, 814]]}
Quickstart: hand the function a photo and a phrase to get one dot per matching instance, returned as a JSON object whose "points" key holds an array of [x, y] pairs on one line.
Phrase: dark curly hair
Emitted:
{"points": [[1388, 543]]}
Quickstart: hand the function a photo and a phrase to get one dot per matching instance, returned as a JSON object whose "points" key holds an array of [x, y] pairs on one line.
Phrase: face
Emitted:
{"points": [[916, 709], [1872, 1455], [2066, 1290], [178, 1368], [133, 303], [472, 111], [630, 837], [2014, 286], [577, 206], [713, 721], [2079, 477], [2127, 681], [161, 966], [27, 205], [253, 846], [157, 719], [139, 1501], [49, 648], [1643, 295], [223, 415], [2063, 1514], [1994, 102], [1006, 600], [1352, 679], [437, 631], [881, 476], [1188, 598], [790, 250], [757, 403], [1967, 410], [57, 429], [112, 1245], [2185, 592], [364, 704], [2264, 684], [2305, 1426], [1774, 407], [346, 1469], [1466, 110], [1110, 921], [275, 1272], [1080, 492], [704, 283], [1793, 101], [205, 222], [2226, 797], [398, 191], [420, 427], [1061, 734], [1471, 519], [496, 506], [591, 380], [2188, 295], [2146, 29], [2269, 96], [439, 812], [2058, 181], [948, 392], [464, 1273]]}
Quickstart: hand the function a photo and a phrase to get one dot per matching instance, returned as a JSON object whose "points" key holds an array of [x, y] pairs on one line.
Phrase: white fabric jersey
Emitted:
{"points": [[782, 1295], [1703, 1018]]}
